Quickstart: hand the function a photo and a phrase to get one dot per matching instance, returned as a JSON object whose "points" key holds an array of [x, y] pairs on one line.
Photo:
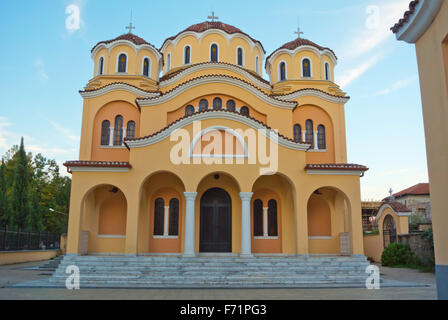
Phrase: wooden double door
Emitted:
{"points": [[215, 221]]}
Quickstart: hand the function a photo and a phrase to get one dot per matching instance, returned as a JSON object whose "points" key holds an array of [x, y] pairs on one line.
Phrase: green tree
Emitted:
{"points": [[4, 204]]}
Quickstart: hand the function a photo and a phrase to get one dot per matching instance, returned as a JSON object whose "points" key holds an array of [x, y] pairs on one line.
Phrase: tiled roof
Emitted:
{"points": [[204, 26], [397, 206], [127, 36], [108, 164], [337, 166], [406, 16], [298, 43], [418, 189]]}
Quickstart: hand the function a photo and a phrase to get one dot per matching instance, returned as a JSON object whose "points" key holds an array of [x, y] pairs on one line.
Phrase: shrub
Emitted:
{"points": [[396, 254]]}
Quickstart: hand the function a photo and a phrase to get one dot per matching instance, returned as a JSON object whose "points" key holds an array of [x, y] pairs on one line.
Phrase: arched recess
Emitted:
{"points": [[103, 220], [166, 186], [226, 182], [329, 213], [389, 230], [279, 188], [108, 112]]}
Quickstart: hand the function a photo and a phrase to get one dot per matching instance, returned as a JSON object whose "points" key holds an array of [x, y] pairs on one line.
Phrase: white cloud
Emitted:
{"points": [[64, 131], [396, 86], [351, 74]]}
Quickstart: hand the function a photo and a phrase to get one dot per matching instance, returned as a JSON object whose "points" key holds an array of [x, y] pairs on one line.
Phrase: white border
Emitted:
{"points": [[302, 75], [118, 86], [314, 93], [210, 51], [242, 55], [183, 55], [98, 66], [149, 67], [279, 71], [118, 63]]}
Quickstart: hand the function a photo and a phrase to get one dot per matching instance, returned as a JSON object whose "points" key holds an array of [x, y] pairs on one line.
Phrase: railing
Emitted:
{"points": [[18, 240]]}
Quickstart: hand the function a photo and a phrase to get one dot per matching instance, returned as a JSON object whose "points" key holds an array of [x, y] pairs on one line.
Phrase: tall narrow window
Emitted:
{"points": [[203, 105], [321, 143], [122, 62], [100, 66], [174, 217], [230, 105], [168, 62], [189, 110], [130, 130], [327, 71], [105, 133], [258, 218], [187, 52], [282, 71], [240, 56], [217, 104], [214, 53], [146, 67], [306, 68], [257, 67], [118, 131], [297, 132], [272, 218], [244, 111], [309, 131], [159, 215]]}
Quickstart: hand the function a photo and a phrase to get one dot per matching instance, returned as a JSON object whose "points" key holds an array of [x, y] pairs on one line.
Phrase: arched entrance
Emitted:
{"points": [[216, 221], [389, 231]]}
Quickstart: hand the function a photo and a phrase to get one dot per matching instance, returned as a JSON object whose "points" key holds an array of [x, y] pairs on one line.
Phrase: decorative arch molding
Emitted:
{"points": [[314, 93], [292, 53], [137, 48], [118, 86], [219, 128], [215, 114], [202, 35], [215, 65], [387, 206], [217, 79]]}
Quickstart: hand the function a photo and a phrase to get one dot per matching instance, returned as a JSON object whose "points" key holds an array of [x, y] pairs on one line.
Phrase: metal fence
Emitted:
{"points": [[17, 240]]}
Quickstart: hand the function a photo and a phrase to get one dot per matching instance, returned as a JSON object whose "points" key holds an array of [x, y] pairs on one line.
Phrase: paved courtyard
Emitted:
{"points": [[419, 286]]}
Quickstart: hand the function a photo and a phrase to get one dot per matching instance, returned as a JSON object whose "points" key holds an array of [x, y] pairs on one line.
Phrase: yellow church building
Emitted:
{"points": [[188, 151]]}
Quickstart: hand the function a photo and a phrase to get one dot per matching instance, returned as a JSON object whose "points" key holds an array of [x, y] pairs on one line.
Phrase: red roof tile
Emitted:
{"points": [[406, 16], [337, 166], [397, 206], [204, 26], [418, 189], [102, 164], [298, 43], [127, 36]]}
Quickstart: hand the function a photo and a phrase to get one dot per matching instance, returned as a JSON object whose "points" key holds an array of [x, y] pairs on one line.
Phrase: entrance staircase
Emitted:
{"points": [[214, 272]]}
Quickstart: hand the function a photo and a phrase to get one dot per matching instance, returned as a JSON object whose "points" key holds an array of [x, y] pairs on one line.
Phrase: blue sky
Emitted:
{"points": [[43, 65]]}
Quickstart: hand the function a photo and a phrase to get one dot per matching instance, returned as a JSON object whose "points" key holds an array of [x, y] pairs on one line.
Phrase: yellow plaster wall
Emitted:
{"points": [[14, 257]]}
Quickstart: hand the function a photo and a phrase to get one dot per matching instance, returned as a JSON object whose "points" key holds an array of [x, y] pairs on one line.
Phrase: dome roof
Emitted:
{"points": [[207, 25], [299, 42], [128, 37]]}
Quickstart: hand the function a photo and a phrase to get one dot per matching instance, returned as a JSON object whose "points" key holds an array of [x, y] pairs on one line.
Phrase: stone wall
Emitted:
{"points": [[419, 245]]}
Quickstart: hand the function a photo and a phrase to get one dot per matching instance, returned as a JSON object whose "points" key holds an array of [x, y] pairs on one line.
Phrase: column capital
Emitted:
{"points": [[190, 195], [246, 195]]}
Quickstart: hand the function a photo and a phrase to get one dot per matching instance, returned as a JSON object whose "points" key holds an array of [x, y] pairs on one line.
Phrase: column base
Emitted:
{"points": [[246, 255], [189, 255]]}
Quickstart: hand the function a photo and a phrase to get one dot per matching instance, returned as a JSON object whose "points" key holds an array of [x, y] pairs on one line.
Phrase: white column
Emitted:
{"points": [[111, 137], [189, 224], [124, 135], [245, 224], [165, 220], [265, 221], [304, 135], [316, 145]]}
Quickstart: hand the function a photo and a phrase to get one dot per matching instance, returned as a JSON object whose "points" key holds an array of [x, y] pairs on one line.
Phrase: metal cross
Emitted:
{"points": [[390, 191], [298, 32], [213, 17], [130, 27]]}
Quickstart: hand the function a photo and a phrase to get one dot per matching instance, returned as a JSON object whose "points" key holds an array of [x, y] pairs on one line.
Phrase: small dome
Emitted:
{"points": [[128, 37], [292, 45]]}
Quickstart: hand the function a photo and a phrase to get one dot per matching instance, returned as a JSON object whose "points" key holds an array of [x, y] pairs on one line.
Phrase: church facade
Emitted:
{"points": [[188, 150]]}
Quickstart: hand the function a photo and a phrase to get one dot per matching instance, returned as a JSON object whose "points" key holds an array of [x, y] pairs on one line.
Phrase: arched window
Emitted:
{"points": [[282, 71], [203, 105], [122, 62], [189, 110], [230, 105], [309, 131], [187, 53], [240, 56], [146, 67], [168, 62], [244, 111], [118, 131], [217, 104], [272, 218], [327, 71], [321, 143], [297, 132], [100, 66], [257, 67], [306, 68], [130, 130], [174, 217], [159, 215], [214, 53], [105, 133], [258, 218]]}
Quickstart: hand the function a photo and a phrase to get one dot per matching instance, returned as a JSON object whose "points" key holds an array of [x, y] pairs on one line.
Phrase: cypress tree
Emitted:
{"points": [[3, 197], [20, 203]]}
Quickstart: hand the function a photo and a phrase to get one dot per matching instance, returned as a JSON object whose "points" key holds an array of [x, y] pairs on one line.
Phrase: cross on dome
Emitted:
{"points": [[298, 32], [213, 17], [130, 27]]}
